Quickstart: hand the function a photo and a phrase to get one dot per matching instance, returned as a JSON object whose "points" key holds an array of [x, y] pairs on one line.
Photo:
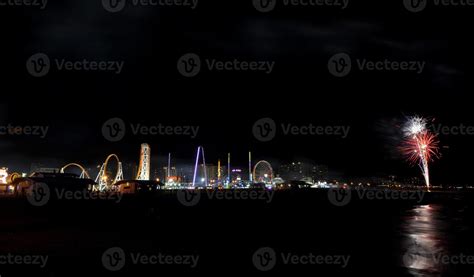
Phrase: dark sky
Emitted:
{"points": [[225, 105]]}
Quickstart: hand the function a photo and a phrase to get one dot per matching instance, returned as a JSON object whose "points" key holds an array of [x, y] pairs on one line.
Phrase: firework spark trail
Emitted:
{"points": [[420, 145]]}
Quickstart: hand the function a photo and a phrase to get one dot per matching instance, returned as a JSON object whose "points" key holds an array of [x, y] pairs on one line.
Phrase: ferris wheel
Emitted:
{"points": [[263, 172]]}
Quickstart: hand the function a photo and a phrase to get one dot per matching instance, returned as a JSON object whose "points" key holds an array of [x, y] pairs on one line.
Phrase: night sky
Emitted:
{"points": [[225, 105]]}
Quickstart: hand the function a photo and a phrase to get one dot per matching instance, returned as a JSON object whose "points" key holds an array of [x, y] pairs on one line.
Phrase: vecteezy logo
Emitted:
{"points": [[113, 6], [415, 5], [340, 65], [113, 259], [113, 129], [189, 65], [38, 65], [264, 259], [38, 194], [189, 197], [264, 129], [264, 5], [339, 197]]}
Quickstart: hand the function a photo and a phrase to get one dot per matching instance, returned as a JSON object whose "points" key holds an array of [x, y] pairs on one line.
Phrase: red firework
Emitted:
{"points": [[421, 147]]}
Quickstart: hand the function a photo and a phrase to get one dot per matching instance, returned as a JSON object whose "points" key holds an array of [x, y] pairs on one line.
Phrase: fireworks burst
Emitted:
{"points": [[424, 144], [420, 146], [416, 125]]}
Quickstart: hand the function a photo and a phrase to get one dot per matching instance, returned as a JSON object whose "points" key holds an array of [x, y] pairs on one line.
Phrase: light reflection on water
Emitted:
{"points": [[425, 234]]}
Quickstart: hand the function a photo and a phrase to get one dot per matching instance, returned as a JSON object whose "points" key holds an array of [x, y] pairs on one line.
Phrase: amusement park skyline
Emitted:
{"points": [[363, 146]]}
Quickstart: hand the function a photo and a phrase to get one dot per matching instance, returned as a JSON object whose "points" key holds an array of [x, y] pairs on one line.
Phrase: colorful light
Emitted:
{"points": [[420, 146], [3, 175], [200, 150]]}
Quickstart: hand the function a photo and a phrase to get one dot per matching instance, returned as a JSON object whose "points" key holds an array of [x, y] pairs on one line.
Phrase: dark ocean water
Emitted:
{"points": [[438, 240], [377, 237]]}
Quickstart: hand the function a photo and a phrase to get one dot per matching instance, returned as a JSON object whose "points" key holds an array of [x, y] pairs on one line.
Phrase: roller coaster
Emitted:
{"points": [[84, 173], [103, 180]]}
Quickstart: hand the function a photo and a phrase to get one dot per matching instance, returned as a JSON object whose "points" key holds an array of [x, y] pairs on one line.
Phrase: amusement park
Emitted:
{"points": [[110, 177]]}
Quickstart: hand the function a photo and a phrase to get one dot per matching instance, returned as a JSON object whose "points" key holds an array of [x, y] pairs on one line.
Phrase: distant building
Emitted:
{"points": [[34, 167], [297, 171], [236, 174], [172, 172], [320, 172], [185, 173], [47, 170], [212, 172], [130, 171], [182, 174]]}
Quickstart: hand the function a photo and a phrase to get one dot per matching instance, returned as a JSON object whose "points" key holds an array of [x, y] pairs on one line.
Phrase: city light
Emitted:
{"points": [[3, 175]]}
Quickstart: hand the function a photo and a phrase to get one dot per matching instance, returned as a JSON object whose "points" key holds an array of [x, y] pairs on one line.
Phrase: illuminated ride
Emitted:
{"points": [[4, 188], [142, 181], [144, 166], [7, 181], [84, 173], [103, 181], [263, 173], [199, 151], [3, 175], [12, 177]]}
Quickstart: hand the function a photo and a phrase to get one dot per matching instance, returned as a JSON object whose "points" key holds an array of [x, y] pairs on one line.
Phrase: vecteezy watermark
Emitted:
{"points": [[24, 3], [20, 259], [26, 130], [266, 258], [115, 129], [115, 258], [415, 5], [269, 5], [265, 129], [453, 259], [39, 194], [342, 196], [453, 130], [339, 196], [422, 254], [190, 65], [419, 5], [114, 6], [192, 197], [39, 65], [340, 65], [188, 197]]}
